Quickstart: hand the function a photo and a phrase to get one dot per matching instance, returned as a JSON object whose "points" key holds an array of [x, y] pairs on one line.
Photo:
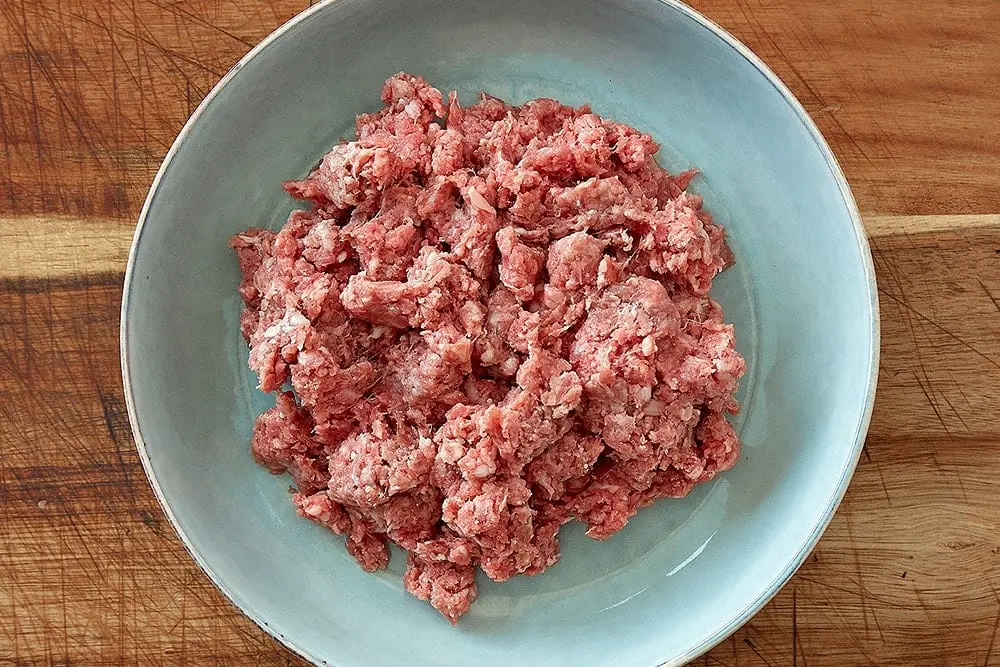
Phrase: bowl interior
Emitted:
{"points": [[683, 572]]}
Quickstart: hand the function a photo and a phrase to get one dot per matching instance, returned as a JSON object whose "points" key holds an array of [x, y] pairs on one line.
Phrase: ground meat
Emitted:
{"points": [[490, 321]]}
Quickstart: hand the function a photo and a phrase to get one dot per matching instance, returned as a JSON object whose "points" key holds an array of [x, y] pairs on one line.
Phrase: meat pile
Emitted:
{"points": [[491, 320]]}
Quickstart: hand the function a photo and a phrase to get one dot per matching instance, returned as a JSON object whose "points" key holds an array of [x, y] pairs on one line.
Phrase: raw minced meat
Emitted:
{"points": [[491, 320]]}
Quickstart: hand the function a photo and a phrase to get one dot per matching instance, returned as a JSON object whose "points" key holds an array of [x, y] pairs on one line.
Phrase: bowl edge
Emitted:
{"points": [[874, 334]]}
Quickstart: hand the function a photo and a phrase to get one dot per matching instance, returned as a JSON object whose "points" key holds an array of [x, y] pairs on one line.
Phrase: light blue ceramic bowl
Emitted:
{"points": [[683, 574]]}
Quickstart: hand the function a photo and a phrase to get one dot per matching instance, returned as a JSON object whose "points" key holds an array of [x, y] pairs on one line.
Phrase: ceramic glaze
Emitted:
{"points": [[683, 574]]}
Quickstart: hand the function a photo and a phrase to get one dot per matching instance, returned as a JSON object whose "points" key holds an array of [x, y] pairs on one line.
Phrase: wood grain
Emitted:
{"points": [[91, 94], [62, 247]]}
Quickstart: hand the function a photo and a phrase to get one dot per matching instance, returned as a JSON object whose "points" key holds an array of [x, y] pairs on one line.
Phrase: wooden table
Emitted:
{"points": [[92, 92]]}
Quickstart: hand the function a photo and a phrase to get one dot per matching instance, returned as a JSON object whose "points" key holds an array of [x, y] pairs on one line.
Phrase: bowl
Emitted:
{"points": [[683, 574]]}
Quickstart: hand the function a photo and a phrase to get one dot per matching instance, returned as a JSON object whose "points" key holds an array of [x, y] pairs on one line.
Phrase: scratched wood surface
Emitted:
{"points": [[92, 92]]}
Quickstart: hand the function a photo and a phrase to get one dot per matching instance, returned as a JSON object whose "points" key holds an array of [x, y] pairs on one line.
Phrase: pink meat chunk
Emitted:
{"points": [[282, 442], [574, 261], [520, 265], [571, 457], [433, 574], [490, 320], [388, 242]]}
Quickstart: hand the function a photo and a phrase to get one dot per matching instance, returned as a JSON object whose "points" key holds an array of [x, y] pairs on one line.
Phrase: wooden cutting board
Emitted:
{"points": [[92, 92]]}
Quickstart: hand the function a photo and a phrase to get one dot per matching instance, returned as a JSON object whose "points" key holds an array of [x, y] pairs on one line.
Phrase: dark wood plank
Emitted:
{"points": [[91, 572], [92, 93]]}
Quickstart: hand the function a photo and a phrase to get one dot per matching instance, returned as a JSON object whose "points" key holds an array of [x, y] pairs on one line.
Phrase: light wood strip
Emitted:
{"points": [[60, 247], [894, 225]]}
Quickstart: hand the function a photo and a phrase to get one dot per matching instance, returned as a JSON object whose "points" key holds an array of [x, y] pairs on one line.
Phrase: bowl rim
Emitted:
{"points": [[794, 562]]}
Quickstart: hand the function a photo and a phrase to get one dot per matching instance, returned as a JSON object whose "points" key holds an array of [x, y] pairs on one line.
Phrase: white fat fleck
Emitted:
{"points": [[643, 395], [648, 346], [286, 324], [342, 256], [451, 451]]}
